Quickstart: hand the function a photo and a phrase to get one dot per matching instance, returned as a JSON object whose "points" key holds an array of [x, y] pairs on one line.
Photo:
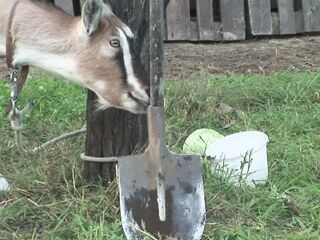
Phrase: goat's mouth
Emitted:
{"points": [[142, 104], [135, 108], [140, 110], [139, 106], [135, 102], [133, 105]]}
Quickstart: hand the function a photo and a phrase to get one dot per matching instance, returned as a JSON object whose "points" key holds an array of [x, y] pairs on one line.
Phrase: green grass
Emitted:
{"points": [[50, 199]]}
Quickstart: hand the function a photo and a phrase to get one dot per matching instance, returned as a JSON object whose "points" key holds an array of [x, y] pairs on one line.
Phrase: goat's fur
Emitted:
{"points": [[78, 49]]}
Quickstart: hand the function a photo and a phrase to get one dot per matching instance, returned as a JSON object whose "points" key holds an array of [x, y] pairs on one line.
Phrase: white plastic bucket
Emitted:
{"points": [[245, 154]]}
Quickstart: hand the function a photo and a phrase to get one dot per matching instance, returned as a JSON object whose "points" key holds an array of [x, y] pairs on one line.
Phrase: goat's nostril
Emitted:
{"points": [[145, 103]]}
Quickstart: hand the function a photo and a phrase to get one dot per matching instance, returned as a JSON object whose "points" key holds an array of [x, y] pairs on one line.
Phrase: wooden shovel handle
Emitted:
{"points": [[156, 20]]}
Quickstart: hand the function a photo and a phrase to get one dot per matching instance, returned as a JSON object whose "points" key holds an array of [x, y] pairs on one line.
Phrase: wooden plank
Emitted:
{"points": [[299, 21], [65, 5], [275, 23], [260, 17], [178, 19], [76, 7], [205, 19], [286, 16], [193, 31], [311, 11], [233, 19], [218, 36]]}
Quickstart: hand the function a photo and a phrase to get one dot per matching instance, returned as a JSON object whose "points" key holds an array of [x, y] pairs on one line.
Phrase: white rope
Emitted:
{"points": [[16, 117], [98, 159], [58, 139]]}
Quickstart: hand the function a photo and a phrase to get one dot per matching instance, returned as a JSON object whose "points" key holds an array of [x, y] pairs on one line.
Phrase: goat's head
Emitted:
{"points": [[107, 62]]}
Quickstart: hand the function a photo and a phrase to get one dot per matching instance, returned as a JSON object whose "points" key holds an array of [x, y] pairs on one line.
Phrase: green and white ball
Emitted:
{"points": [[199, 140]]}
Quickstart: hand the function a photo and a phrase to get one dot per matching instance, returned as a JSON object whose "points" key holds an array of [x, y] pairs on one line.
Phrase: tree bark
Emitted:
{"points": [[117, 132]]}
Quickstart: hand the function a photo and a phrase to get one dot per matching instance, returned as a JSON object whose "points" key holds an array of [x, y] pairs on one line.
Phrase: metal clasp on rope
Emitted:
{"points": [[16, 118], [18, 77], [14, 88], [15, 114]]}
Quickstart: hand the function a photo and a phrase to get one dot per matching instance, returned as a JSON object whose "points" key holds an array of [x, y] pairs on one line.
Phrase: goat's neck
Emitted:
{"points": [[62, 64], [47, 41]]}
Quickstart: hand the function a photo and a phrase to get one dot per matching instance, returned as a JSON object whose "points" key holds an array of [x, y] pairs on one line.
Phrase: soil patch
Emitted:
{"points": [[254, 56]]}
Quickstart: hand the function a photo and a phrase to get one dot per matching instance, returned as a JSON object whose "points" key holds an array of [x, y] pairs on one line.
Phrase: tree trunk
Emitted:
{"points": [[117, 132]]}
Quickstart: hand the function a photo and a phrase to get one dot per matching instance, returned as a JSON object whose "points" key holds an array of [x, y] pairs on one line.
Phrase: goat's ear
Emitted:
{"points": [[91, 15], [107, 11]]}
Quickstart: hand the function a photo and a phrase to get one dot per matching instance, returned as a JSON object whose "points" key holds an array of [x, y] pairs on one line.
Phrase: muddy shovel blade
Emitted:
{"points": [[185, 205], [139, 178]]}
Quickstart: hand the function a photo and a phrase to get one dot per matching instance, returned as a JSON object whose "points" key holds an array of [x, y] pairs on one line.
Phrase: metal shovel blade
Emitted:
{"points": [[139, 192]]}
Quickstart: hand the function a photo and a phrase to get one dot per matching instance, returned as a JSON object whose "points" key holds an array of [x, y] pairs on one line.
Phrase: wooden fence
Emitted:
{"points": [[230, 20], [205, 20], [198, 20], [280, 17], [70, 6]]}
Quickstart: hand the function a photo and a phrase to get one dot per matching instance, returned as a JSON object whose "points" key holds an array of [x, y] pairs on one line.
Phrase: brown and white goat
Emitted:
{"points": [[93, 50]]}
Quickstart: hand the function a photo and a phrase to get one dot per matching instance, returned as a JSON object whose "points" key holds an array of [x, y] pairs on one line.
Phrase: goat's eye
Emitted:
{"points": [[115, 43]]}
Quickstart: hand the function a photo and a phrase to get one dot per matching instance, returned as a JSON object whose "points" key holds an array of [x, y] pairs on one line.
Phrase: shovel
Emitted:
{"points": [[161, 193]]}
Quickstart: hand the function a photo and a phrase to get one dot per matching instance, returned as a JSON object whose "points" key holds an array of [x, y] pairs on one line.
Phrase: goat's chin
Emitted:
{"points": [[102, 105], [135, 110], [142, 111], [135, 107], [99, 107]]}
